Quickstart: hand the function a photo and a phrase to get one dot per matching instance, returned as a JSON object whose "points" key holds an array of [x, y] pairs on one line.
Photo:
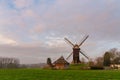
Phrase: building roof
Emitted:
{"points": [[61, 60]]}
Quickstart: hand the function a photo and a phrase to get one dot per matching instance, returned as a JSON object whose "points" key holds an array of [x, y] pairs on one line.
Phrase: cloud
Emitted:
{"points": [[22, 3], [88, 20], [40, 27], [5, 40], [37, 52]]}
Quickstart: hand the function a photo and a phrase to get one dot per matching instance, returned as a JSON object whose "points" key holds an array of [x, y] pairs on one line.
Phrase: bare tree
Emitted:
{"points": [[82, 60], [9, 62], [91, 62], [99, 61], [114, 53]]}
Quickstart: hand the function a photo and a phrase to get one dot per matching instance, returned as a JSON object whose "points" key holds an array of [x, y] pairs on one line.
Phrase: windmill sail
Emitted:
{"points": [[69, 41], [83, 40], [84, 54], [69, 56], [77, 50]]}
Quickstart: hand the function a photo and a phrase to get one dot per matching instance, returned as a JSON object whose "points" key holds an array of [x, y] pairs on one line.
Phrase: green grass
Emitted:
{"points": [[38, 74], [77, 66]]}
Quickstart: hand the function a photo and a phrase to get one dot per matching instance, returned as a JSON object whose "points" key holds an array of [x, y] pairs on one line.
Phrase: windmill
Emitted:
{"points": [[77, 50]]}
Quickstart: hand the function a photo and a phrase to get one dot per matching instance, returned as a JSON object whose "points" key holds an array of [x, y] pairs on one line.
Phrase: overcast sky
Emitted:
{"points": [[33, 30]]}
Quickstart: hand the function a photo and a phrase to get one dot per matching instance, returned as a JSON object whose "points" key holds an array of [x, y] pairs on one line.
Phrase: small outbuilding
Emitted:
{"points": [[61, 63]]}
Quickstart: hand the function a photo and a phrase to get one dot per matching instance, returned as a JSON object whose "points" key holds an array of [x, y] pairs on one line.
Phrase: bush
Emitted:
{"points": [[97, 67]]}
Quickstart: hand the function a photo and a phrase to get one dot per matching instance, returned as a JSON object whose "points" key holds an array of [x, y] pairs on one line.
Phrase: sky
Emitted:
{"points": [[33, 30]]}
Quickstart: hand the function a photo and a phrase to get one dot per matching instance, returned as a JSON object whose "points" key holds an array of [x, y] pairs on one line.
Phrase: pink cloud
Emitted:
{"points": [[22, 3]]}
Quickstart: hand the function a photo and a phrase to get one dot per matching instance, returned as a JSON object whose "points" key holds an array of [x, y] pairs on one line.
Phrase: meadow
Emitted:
{"points": [[39, 74]]}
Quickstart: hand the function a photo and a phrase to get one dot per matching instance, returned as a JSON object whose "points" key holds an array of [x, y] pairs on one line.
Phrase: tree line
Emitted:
{"points": [[110, 57], [9, 62]]}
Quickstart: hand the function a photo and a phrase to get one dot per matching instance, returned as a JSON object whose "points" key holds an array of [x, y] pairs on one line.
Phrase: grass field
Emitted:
{"points": [[38, 74]]}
